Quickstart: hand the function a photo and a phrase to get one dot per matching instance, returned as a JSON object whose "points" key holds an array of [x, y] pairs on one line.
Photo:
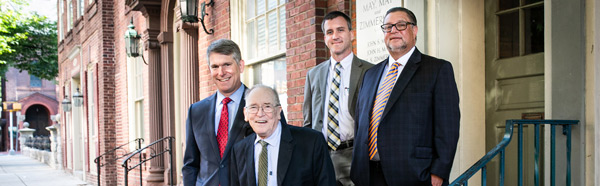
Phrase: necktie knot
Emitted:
{"points": [[226, 100], [263, 142], [395, 66]]}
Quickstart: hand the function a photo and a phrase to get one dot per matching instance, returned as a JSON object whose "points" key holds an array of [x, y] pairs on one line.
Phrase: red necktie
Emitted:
{"points": [[223, 131]]}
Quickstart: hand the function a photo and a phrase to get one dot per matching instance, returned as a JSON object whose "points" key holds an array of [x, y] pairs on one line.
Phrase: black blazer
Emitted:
{"points": [[202, 164], [418, 132], [303, 159]]}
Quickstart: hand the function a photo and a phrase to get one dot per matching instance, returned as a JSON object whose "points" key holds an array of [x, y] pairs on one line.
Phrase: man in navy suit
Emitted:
{"points": [[278, 154], [215, 123], [407, 113]]}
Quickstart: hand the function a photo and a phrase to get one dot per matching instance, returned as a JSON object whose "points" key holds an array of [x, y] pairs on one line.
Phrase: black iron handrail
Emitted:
{"points": [[154, 152], [481, 165], [99, 165]]}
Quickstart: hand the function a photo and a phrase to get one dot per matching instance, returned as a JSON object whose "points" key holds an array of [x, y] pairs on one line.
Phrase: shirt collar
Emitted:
{"points": [[274, 138], [346, 62], [236, 97], [402, 60]]}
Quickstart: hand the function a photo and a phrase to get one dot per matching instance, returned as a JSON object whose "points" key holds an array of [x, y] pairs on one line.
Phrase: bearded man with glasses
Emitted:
{"points": [[407, 114]]}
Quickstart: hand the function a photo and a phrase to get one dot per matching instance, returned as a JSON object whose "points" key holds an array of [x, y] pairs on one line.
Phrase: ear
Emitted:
{"points": [[278, 111], [245, 115], [415, 30], [352, 35], [241, 66]]}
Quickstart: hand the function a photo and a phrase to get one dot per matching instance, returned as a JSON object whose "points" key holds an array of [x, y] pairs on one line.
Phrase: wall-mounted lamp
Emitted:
{"points": [[132, 42], [66, 104], [189, 12], [77, 98]]}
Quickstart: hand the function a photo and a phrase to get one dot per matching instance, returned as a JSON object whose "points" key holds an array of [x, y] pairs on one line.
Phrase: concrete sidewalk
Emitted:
{"points": [[19, 170]]}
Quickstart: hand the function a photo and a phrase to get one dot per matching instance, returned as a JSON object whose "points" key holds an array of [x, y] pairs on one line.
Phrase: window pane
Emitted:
{"points": [[272, 18], [250, 41], [273, 74], [531, 1], [281, 2], [509, 35], [272, 4], [139, 118], [262, 35], [507, 4], [139, 79], [260, 9], [534, 30], [35, 81], [282, 33], [249, 9]]}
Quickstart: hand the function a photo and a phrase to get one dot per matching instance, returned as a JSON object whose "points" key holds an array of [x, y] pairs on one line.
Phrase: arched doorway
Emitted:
{"points": [[38, 118]]}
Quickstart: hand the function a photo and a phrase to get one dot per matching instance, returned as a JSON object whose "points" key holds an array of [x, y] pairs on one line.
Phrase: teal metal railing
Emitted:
{"points": [[501, 147]]}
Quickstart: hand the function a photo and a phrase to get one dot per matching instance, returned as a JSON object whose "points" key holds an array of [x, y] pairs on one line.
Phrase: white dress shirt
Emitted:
{"points": [[232, 107], [273, 154], [346, 123]]}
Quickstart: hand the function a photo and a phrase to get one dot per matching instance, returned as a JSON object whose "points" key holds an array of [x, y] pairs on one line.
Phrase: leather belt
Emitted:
{"points": [[345, 145]]}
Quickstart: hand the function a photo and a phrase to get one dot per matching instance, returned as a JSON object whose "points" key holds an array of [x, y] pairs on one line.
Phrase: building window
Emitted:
{"points": [[35, 81], [520, 21], [60, 18], [70, 14], [264, 45], [135, 90], [80, 6], [92, 118]]}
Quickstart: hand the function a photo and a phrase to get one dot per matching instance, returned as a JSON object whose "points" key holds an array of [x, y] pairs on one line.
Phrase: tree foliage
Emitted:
{"points": [[27, 42]]}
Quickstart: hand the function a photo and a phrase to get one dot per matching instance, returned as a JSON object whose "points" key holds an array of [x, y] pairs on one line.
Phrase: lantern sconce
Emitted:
{"points": [[66, 104], [77, 98], [189, 12], [132, 42]]}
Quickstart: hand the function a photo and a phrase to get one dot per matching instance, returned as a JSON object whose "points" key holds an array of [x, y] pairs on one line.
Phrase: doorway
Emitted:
{"points": [[514, 68]]}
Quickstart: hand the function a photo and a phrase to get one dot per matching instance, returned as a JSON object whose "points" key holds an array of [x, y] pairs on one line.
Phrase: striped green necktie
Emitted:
{"points": [[263, 164]]}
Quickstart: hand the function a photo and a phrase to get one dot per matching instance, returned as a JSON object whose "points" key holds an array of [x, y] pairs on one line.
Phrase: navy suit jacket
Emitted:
{"points": [[202, 164], [303, 159], [418, 132]]}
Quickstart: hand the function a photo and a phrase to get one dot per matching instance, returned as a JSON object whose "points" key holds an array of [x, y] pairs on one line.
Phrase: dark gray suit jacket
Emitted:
{"points": [[202, 164], [418, 132], [303, 159], [315, 91]]}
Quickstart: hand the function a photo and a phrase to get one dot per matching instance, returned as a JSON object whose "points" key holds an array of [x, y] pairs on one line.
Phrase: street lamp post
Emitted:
{"points": [[11, 107]]}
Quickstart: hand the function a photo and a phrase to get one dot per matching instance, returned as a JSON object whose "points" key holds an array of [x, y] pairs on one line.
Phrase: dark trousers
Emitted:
{"points": [[376, 174]]}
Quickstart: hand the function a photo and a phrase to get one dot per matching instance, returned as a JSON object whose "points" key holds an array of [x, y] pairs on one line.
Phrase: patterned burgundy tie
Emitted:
{"points": [[223, 131]]}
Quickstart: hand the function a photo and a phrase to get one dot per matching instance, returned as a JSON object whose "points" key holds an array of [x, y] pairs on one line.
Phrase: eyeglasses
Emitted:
{"points": [[400, 26], [253, 109]]}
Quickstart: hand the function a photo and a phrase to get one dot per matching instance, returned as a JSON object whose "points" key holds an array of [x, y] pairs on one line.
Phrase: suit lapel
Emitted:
{"points": [[373, 84], [355, 73], [405, 76], [323, 74], [286, 148], [236, 127], [250, 160], [211, 127]]}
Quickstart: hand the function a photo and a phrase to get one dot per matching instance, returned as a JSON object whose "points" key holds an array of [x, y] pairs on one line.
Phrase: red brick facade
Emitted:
{"points": [[95, 44]]}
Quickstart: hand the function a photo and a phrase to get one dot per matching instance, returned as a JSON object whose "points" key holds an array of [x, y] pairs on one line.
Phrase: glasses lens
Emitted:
{"points": [[267, 108], [386, 27]]}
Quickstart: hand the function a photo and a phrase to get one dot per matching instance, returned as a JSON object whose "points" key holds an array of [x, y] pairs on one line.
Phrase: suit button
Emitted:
{"points": [[222, 166], [321, 121]]}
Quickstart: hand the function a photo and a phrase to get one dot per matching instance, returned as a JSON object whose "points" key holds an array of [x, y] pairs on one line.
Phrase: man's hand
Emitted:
{"points": [[436, 180]]}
